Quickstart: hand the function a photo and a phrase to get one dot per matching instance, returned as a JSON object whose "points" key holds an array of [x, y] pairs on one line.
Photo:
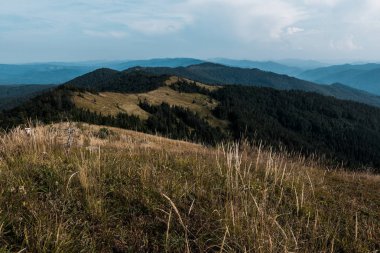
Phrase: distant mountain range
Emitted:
{"points": [[40, 73], [303, 64], [58, 73], [165, 62], [262, 65], [365, 77]]}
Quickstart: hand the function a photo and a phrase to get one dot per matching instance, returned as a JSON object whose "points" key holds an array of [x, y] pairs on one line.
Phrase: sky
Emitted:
{"points": [[81, 30]]}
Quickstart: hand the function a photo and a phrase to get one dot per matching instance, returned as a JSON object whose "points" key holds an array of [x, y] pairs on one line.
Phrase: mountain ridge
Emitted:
{"points": [[180, 108], [271, 66], [365, 77], [362, 77]]}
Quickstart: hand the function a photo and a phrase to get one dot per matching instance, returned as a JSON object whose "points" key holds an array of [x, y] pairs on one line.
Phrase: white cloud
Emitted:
{"points": [[156, 26], [329, 3], [105, 34], [150, 23], [373, 4], [251, 20], [370, 13], [346, 44], [293, 30]]}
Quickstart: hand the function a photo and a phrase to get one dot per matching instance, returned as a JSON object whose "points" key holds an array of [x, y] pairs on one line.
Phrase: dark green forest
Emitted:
{"points": [[14, 95], [343, 131], [115, 81]]}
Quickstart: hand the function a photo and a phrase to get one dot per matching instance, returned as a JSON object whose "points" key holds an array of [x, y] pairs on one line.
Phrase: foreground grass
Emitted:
{"points": [[131, 192]]}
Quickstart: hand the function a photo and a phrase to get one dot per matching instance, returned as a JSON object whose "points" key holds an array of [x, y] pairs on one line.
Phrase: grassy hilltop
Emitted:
{"points": [[115, 190]]}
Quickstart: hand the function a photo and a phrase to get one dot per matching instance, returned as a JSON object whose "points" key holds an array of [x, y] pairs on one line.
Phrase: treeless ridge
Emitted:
{"points": [[112, 103]]}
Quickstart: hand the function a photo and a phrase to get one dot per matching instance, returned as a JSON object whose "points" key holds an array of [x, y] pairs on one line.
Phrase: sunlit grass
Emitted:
{"points": [[131, 192], [112, 103]]}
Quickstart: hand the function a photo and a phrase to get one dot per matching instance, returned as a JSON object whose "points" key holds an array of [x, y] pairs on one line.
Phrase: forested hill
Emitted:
{"points": [[111, 80], [14, 95], [219, 74], [345, 132]]}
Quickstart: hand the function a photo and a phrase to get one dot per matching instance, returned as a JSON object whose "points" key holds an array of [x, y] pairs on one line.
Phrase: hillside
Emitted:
{"points": [[113, 103], [113, 190], [111, 80], [220, 74], [183, 109], [365, 77], [14, 95]]}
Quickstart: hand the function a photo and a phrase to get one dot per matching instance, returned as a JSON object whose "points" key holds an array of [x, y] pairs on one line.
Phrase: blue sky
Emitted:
{"points": [[68, 30]]}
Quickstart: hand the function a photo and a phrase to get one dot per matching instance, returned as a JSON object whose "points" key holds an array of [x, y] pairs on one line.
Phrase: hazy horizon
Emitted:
{"points": [[328, 31], [284, 61]]}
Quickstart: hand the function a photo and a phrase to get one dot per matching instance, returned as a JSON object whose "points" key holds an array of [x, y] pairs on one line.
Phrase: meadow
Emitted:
{"points": [[73, 187]]}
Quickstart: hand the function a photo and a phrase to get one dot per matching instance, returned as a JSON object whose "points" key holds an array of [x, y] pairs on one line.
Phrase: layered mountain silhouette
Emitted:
{"points": [[262, 65], [61, 72], [40, 73], [365, 77], [361, 77], [163, 62], [204, 72]]}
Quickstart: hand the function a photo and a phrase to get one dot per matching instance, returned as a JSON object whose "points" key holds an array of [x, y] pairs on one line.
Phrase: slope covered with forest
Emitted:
{"points": [[13, 95]]}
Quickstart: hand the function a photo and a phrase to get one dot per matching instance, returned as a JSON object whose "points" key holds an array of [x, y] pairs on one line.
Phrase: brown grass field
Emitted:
{"points": [[112, 103], [113, 190]]}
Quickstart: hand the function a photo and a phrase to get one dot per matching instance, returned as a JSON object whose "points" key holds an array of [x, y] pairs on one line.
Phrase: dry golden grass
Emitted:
{"points": [[132, 192], [112, 103], [174, 79]]}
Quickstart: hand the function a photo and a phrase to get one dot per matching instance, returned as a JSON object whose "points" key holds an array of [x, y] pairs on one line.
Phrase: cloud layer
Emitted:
{"points": [[255, 29]]}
